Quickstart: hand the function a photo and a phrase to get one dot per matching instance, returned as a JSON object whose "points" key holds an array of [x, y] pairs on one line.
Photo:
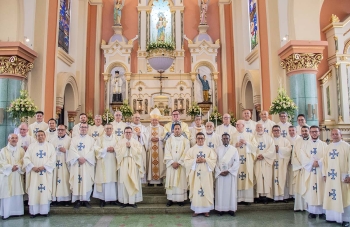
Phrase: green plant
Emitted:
{"points": [[194, 110], [215, 117], [283, 103], [107, 117], [170, 46], [90, 117], [22, 107], [125, 109]]}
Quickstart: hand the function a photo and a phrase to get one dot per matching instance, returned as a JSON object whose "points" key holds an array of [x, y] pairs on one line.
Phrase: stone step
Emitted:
{"points": [[153, 190], [147, 198], [159, 209]]}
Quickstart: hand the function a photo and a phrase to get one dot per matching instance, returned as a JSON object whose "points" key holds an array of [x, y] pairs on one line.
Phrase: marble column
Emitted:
{"points": [[301, 59], [9, 91], [71, 119]]}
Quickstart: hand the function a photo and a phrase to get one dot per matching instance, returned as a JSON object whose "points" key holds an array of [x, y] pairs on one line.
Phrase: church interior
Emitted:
{"points": [[87, 56]]}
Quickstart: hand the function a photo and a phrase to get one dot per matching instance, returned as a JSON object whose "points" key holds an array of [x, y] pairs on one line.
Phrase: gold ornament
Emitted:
{"points": [[15, 65], [301, 61]]}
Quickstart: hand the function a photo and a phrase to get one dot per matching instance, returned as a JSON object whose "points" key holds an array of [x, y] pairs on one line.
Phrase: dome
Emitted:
{"points": [[118, 37], [202, 36]]}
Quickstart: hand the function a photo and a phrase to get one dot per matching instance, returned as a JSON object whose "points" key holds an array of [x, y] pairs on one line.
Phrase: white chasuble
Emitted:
{"points": [[106, 169], [249, 126], [11, 187], [247, 156], [60, 183], [169, 129], [314, 183], [200, 178], [336, 199], [39, 184], [155, 155], [130, 171], [226, 186], [263, 169], [96, 131], [81, 176], [221, 129], [76, 130], [212, 140], [175, 181], [284, 128], [193, 132], [25, 141], [118, 129], [267, 125], [50, 134], [143, 140], [280, 167], [36, 126]]}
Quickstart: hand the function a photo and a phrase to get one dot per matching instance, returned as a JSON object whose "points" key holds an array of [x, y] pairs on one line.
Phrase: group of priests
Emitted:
{"points": [[252, 162]]}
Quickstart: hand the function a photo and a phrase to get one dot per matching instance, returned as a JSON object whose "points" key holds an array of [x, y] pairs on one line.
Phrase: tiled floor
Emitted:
{"points": [[281, 218]]}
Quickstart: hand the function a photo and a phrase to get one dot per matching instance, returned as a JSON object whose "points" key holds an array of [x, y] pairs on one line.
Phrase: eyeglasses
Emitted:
{"points": [[200, 138], [226, 117], [127, 132], [109, 128], [276, 130], [313, 131], [83, 127], [60, 129]]}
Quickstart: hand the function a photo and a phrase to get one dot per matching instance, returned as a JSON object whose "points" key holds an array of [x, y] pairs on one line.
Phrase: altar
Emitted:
{"points": [[161, 79]]}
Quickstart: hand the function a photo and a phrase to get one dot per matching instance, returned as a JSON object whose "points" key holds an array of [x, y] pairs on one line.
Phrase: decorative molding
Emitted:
{"points": [[253, 56], [326, 77], [66, 58], [334, 19], [15, 66], [303, 61]]}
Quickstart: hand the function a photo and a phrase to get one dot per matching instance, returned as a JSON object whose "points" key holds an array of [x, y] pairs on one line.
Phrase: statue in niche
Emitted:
{"points": [[117, 91], [146, 106], [203, 9], [161, 24], [118, 6], [175, 104], [205, 86], [187, 104], [134, 105], [167, 111]]}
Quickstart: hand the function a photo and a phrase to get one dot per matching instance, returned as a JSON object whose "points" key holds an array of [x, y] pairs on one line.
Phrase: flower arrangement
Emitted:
{"points": [[233, 120], [283, 103], [22, 107], [107, 117], [170, 46], [215, 117], [194, 110], [90, 117], [126, 110]]}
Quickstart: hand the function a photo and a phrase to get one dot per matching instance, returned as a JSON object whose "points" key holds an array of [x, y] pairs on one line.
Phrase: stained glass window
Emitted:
{"points": [[253, 24], [64, 22]]}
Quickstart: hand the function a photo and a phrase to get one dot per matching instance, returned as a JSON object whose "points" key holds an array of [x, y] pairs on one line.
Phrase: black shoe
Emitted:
{"points": [[116, 203], [285, 201], [76, 204], [221, 213], [134, 205], [32, 216], [244, 203], [346, 224], [149, 184], [181, 204], [312, 215], [102, 203], [232, 213], [66, 204], [87, 204], [322, 216], [45, 215], [169, 203], [297, 210], [122, 205], [5, 218], [25, 203]]}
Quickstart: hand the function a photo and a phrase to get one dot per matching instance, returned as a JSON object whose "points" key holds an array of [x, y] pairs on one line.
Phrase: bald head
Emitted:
{"points": [[264, 115], [136, 118], [240, 125], [23, 129], [12, 139], [246, 114], [118, 116], [336, 135], [226, 119], [259, 129]]}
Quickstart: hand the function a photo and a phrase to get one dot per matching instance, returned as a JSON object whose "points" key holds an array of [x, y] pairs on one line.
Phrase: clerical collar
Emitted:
{"points": [[227, 125], [41, 143], [226, 145], [313, 140], [177, 136], [39, 122], [108, 136], [209, 134], [198, 126], [52, 130], [61, 137], [10, 147], [200, 146], [307, 138], [336, 142], [82, 136], [24, 136], [276, 137]]}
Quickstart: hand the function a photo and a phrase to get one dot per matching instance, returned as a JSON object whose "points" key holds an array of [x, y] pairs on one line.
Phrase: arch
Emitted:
{"points": [[116, 64], [67, 80], [205, 63], [346, 47], [171, 4], [252, 77]]}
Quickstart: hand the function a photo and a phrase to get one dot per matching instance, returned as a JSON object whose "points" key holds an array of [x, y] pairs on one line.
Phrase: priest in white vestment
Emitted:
{"points": [[264, 164], [301, 122], [130, 169], [226, 126], [175, 181], [39, 163], [155, 155], [169, 127], [97, 129], [81, 158], [51, 132], [284, 124], [266, 122], [83, 120], [24, 139], [336, 174], [60, 183], [118, 125], [39, 124], [299, 182], [283, 154], [105, 187], [198, 127], [292, 137], [249, 124], [200, 162], [11, 187], [212, 139], [140, 134], [312, 158], [226, 169], [247, 148]]}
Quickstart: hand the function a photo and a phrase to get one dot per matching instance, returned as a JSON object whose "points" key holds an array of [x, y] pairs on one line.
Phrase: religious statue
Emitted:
{"points": [[205, 86], [119, 4], [204, 9], [161, 24], [146, 106], [167, 111], [117, 94]]}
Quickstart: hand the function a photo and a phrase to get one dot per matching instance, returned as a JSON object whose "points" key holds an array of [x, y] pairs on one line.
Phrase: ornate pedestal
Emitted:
{"points": [[205, 106]]}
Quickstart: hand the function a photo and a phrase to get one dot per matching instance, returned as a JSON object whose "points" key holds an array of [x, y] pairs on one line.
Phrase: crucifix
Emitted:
{"points": [[160, 79]]}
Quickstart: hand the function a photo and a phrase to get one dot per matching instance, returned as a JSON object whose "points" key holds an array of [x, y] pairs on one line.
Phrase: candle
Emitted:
{"points": [[107, 118], [216, 120], [200, 112], [208, 115]]}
